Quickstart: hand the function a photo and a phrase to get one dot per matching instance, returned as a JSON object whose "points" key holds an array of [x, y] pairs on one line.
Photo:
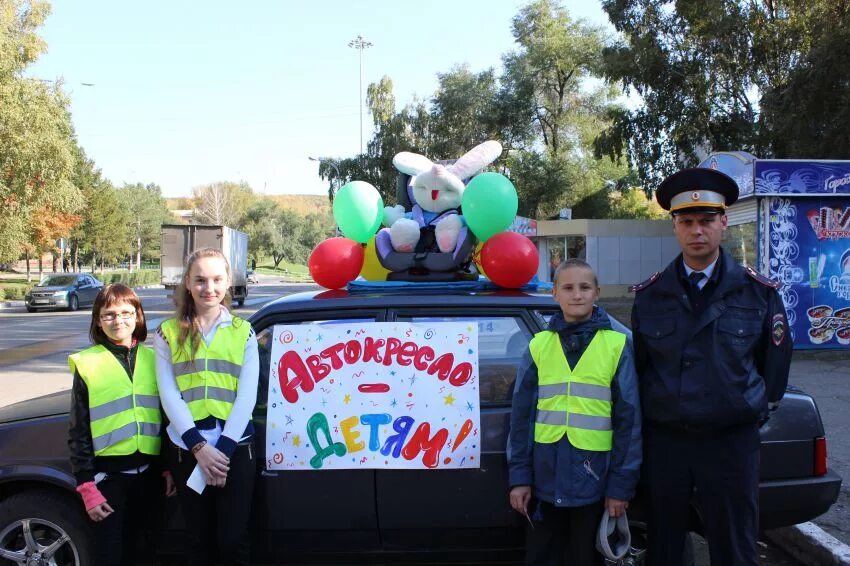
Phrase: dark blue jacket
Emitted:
{"points": [[715, 366], [560, 473]]}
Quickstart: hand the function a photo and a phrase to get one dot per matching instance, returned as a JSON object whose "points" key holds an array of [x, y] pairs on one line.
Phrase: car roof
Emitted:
{"points": [[341, 299]]}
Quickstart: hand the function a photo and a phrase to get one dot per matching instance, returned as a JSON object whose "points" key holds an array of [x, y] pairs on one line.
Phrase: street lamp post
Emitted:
{"points": [[360, 44], [335, 167]]}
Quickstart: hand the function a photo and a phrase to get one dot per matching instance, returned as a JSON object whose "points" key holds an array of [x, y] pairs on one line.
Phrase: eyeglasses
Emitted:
{"points": [[123, 315]]}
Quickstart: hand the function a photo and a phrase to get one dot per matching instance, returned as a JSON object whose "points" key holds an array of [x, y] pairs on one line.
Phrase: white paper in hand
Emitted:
{"points": [[197, 482]]}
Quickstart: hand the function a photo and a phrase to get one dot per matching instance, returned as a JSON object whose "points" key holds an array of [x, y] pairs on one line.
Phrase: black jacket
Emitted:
{"points": [[84, 464], [715, 366]]}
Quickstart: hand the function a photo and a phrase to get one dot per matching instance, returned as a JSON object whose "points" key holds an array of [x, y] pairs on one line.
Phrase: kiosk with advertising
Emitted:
{"points": [[792, 223]]}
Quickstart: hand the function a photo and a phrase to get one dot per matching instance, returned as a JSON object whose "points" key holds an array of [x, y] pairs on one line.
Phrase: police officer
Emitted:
{"points": [[712, 352]]}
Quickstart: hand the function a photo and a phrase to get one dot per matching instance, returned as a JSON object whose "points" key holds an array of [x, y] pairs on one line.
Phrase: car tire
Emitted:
{"points": [[56, 524], [30, 309], [73, 303]]}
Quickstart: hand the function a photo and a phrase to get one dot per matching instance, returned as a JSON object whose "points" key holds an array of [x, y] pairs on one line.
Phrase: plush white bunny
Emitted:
{"points": [[436, 190]]}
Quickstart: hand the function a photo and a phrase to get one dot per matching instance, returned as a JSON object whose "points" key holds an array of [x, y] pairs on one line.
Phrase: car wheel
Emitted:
{"points": [[40, 527], [240, 302], [73, 303], [30, 309]]}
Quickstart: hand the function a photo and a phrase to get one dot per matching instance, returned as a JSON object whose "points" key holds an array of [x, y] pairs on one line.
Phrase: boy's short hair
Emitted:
{"points": [[574, 262]]}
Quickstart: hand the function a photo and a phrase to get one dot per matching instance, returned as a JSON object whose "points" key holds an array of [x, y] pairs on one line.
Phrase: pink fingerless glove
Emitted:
{"points": [[92, 497]]}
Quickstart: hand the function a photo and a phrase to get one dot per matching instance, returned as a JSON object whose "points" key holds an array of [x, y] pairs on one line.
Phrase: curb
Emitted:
{"points": [[811, 545], [10, 304]]}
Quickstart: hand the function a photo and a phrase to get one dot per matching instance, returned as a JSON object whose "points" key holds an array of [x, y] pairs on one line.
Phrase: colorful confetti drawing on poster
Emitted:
{"points": [[374, 395]]}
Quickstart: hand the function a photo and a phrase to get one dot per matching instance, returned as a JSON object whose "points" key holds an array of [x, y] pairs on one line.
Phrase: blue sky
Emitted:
{"points": [[187, 93]]}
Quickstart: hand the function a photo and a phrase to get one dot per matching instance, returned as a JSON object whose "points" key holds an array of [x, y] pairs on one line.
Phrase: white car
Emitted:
{"points": [[252, 277]]}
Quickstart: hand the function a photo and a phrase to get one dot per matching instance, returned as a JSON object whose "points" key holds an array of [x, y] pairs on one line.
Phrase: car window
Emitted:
{"points": [[57, 281], [502, 340]]}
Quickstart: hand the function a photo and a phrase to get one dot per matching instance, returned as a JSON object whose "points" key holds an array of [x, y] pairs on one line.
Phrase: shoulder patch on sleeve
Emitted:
{"points": [[643, 285], [762, 279]]}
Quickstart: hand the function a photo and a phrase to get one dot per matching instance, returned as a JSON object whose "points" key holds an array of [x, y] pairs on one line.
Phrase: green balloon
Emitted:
{"points": [[358, 209], [489, 204]]}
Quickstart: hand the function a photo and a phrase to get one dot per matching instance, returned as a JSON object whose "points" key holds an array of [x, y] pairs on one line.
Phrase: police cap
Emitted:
{"points": [[697, 190]]}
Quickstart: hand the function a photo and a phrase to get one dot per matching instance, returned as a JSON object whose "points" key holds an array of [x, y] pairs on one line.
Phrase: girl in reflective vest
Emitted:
{"points": [[207, 369], [115, 421], [575, 438]]}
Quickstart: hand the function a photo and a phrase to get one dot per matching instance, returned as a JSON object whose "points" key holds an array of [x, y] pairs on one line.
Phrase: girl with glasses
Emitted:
{"points": [[208, 369], [115, 422]]}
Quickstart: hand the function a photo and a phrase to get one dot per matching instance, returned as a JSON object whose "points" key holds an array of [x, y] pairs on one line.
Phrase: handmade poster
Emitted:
{"points": [[374, 395]]}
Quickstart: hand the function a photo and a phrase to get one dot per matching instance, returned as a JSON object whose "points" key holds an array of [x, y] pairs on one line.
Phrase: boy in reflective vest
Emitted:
{"points": [[115, 422], [575, 434]]}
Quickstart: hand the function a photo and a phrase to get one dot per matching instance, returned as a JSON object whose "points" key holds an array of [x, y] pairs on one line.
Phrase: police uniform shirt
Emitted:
{"points": [[708, 272]]}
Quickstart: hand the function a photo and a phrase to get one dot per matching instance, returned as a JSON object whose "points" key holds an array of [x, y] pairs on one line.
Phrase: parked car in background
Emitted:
{"points": [[252, 277], [63, 291], [380, 515]]}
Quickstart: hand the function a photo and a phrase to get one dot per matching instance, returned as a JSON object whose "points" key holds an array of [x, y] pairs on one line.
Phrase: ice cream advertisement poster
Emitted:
{"points": [[391, 395], [809, 253]]}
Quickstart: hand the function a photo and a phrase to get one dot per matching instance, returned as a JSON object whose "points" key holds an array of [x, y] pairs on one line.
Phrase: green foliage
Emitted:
{"points": [[223, 203], [14, 291], [130, 278], [148, 212], [765, 77]]}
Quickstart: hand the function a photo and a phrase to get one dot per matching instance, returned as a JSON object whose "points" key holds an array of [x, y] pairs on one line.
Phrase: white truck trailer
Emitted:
{"points": [[180, 240]]}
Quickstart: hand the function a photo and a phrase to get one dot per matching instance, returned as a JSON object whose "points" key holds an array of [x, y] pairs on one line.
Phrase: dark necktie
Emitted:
{"points": [[695, 277]]}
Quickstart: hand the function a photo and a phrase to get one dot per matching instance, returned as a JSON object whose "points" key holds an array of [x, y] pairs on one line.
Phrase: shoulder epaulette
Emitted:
{"points": [[643, 285], [767, 282]]}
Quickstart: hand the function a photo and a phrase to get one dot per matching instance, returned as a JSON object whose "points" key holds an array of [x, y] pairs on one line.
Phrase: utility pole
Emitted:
{"points": [[360, 44]]}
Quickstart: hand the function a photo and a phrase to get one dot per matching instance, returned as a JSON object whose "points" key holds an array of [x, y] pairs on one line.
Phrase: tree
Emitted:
{"points": [[754, 75], [222, 203], [36, 147], [149, 213]]}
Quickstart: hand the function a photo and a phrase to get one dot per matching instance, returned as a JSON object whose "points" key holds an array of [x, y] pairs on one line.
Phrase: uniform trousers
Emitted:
{"points": [[562, 535], [217, 519], [719, 469], [130, 497]]}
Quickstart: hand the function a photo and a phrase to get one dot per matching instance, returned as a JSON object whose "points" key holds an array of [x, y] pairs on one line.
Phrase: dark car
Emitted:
{"points": [[63, 291], [341, 516]]}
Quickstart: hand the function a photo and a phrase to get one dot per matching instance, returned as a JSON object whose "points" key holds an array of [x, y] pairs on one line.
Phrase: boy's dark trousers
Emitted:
{"points": [[130, 496], [562, 535], [217, 520]]}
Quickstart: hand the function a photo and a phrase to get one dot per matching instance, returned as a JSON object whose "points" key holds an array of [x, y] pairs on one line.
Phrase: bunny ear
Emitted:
{"points": [[476, 159], [411, 163]]}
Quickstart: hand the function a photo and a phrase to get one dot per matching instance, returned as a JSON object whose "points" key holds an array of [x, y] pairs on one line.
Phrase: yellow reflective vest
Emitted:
{"points": [[209, 379], [576, 401], [124, 414]]}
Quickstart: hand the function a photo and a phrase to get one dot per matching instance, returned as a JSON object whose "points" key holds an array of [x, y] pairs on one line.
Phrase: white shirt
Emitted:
{"points": [[177, 409], [707, 272]]}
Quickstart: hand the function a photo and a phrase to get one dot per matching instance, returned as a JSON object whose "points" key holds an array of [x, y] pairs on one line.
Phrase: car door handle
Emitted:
{"points": [[268, 474]]}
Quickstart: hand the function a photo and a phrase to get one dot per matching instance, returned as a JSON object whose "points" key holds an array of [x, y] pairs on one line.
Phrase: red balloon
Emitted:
{"points": [[335, 262], [509, 259]]}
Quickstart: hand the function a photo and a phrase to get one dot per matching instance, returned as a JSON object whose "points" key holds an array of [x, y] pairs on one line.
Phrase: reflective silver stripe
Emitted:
{"points": [[114, 437], [557, 418], [217, 366], [111, 408], [185, 368], [590, 391], [194, 394], [212, 393], [149, 429], [223, 366], [219, 394], [147, 401], [589, 422], [548, 391]]}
